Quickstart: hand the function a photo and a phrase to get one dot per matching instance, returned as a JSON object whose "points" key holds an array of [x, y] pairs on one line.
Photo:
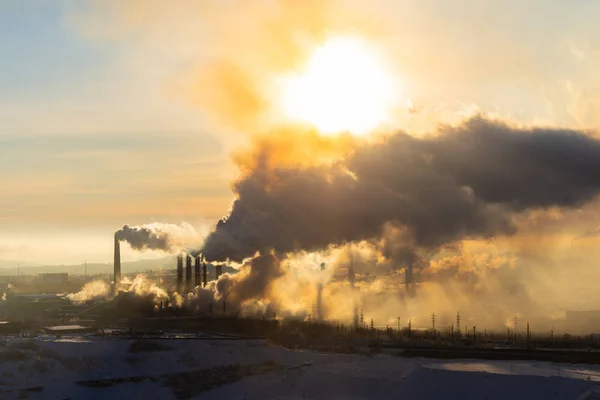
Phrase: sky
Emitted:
{"points": [[121, 112]]}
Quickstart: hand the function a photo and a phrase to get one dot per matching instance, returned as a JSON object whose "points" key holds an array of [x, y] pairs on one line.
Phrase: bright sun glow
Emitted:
{"points": [[344, 87]]}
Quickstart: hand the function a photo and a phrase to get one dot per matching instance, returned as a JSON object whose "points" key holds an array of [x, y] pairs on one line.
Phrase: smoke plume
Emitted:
{"points": [[158, 236], [461, 183]]}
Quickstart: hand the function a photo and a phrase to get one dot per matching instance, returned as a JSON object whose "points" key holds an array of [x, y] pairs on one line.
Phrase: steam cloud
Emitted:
{"points": [[157, 236], [461, 183]]}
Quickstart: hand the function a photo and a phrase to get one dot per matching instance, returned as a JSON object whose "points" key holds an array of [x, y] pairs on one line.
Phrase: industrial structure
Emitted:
{"points": [[117, 266], [179, 286], [197, 267], [188, 273]]}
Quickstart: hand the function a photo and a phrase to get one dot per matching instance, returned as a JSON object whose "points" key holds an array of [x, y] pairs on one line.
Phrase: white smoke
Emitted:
{"points": [[142, 286], [91, 291]]}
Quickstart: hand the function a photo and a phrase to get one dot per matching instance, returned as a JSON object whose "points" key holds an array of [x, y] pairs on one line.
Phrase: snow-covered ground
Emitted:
{"points": [[84, 367]]}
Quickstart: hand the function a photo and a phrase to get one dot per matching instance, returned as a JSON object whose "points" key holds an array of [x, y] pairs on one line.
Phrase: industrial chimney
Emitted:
{"points": [[320, 296], [179, 288], [197, 267], [204, 275], [188, 273], [218, 271], [117, 266]]}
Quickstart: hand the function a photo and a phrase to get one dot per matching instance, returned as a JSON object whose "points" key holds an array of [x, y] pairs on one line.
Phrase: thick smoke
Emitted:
{"points": [[157, 236], [462, 183]]}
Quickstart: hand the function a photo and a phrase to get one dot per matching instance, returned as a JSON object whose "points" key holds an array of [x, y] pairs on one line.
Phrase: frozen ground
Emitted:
{"points": [[78, 367]]}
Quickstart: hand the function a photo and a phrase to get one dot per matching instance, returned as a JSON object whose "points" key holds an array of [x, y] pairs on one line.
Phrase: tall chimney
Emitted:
{"points": [[320, 297], [218, 271], [204, 275], [197, 267], [117, 266], [188, 273], [179, 288]]}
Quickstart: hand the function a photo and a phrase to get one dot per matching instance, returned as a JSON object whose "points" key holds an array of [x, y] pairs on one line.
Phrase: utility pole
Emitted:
{"points": [[433, 322]]}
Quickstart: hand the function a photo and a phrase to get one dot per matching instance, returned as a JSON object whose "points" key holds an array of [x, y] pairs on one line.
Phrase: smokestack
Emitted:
{"points": [[218, 271], [188, 273], [179, 274], [117, 266], [204, 275], [320, 297], [197, 267]]}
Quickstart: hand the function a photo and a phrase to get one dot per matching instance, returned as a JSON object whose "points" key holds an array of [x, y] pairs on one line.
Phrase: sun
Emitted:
{"points": [[343, 87]]}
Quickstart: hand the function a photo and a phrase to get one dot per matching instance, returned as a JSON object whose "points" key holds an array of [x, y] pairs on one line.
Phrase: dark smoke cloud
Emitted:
{"points": [[142, 238], [520, 168], [464, 182], [251, 281]]}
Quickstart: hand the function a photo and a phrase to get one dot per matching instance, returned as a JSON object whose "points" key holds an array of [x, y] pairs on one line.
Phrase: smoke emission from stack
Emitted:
{"points": [[463, 182], [158, 236]]}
